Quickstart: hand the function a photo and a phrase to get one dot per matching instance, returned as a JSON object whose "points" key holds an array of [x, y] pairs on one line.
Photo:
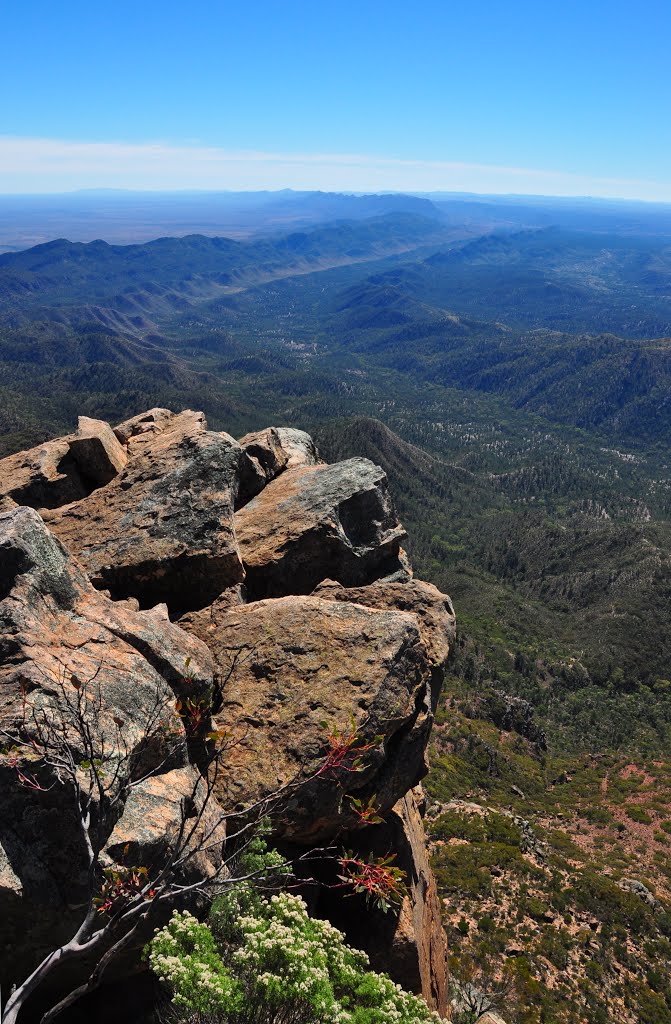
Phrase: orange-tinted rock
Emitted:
{"points": [[263, 460], [153, 422], [162, 530], [418, 954], [434, 611], [407, 942], [363, 650], [315, 522], [66, 469], [55, 629], [299, 447], [97, 452], [152, 816], [43, 477], [303, 667]]}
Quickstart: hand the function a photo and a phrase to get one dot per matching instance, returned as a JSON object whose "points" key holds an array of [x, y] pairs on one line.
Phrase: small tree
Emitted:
{"points": [[478, 987], [98, 760]]}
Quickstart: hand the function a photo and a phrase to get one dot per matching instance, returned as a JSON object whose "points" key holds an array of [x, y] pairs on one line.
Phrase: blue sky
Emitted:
{"points": [[543, 97]]}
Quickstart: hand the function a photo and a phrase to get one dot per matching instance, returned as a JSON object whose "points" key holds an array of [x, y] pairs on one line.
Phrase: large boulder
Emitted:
{"points": [[264, 459], [433, 610], [151, 422], [63, 470], [297, 669], [162, 530], [57, 635], [299, 447], [97, 451], [43, 477], [314, 522]]}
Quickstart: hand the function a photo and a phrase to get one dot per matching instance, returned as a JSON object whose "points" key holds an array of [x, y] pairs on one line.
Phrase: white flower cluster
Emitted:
{"points": [[184, 955], [286, 961]]}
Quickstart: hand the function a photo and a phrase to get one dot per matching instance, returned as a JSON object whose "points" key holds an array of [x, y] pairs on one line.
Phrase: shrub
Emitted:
{"points": [[636, 813], [285, 967]]}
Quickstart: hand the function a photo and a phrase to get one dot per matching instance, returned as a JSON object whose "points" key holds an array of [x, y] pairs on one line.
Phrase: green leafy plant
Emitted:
{"points": [[282, 967]]}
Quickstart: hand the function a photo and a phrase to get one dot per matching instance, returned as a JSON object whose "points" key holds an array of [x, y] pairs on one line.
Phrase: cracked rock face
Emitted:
{"points": [[162, 530], [433, 610], [410, 945], [297, 611], [56, 632], [43, 477], [299, 676]]}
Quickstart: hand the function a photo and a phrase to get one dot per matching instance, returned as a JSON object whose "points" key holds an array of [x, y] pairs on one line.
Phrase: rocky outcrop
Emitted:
{"points": [[57, 634], [97, 452], [300, 678], [299, 447], [507, 712], [275, 588], [151, 422], [433, 611], [314, 522], [63, 470], [265, 459], [639, 889], [416, 951], [419, 948], [162, 530]]}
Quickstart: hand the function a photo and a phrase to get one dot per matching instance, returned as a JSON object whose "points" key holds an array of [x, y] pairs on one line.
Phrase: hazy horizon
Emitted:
{"points": [[516, 98]]}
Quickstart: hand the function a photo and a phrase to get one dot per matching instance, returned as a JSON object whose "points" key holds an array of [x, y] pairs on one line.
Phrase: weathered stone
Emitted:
{"points": [[162, 530], [97, 452], [152, 816], [407, 941], [361, 656], [419, 946], [315, 522], [263, 460], [43, 477], [299, 447], [153, 421], [291, 665], [433, 610], [639, 889], [57, 634], [410, 944], [509, 713], [10, 883]]}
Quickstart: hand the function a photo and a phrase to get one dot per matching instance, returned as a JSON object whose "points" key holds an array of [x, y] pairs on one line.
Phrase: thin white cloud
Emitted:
{"points": [[29, 165]]}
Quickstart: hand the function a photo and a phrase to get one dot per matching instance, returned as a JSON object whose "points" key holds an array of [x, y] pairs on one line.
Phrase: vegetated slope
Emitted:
{"points": [[83, 327], [430, 324], [560, 278], [540, 827], [65, 273], [555, 873]]}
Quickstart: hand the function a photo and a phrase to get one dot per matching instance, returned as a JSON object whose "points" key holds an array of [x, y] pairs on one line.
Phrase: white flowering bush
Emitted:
{"points": [[286, 968], [185, 955]]}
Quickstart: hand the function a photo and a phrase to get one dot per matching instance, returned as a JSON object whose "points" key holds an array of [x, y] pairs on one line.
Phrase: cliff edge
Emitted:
{"points": [[131, 553]]}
